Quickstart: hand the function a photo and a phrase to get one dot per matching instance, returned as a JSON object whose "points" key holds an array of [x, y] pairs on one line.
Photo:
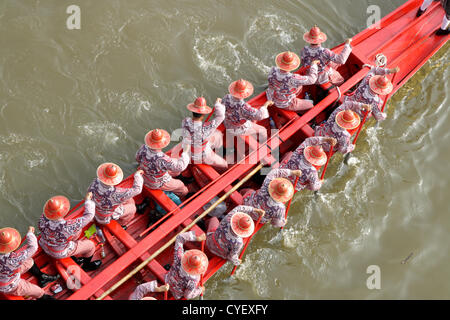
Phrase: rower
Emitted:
{"points": [[284, 85], [187, 267], [225, 239], [342, 124], [274, 192], [201, 136], [329, 61], [159, 168], [239, 115], [375, 83], [112, 202], [443, 30], [13, 263], [59, 235], [309, 157], [142, 290]]}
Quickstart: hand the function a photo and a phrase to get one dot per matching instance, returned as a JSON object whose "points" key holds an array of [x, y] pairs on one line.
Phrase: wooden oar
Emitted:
{"points": [[330, 153], [290, 200], [209, 115], [388, 96], [76, 207], [247, 243], [347, 156], [171, 241], [360, 127]]}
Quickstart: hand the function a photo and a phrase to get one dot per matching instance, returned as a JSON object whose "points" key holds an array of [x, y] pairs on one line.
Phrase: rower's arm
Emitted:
{"points": [[312, 141], [123, 194], [302, 57], [219, 116], [179, 242], [250, 113], [308, 142], [313, 180], [251, 211], [185, 134], [348, 105], [89, 212], [340, 58], [354, 106], [233, 255], [139, 154], [279, 219], [26, 251], [376, 111], [244, 209], [192, 290], [73, 227], [176, 165], [332, 116], [309, 79], [276, 173], [380, 71], [143, 289], [343, 141]]}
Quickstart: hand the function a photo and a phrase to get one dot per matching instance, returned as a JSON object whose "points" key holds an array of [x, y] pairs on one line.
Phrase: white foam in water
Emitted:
{"points": [[275, 26], [129, 101], [353, 161], [221, 59], [14, 138], [291, 238], [37, 159], [206, 52], [146, 105], [108, 132]]}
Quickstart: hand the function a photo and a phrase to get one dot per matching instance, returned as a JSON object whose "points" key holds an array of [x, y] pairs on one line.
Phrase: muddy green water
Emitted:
{"points": [[72, 99]]}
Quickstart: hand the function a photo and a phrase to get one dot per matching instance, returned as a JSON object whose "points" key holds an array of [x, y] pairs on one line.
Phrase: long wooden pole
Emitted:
{"points": [[247, 243], [169, 243]]}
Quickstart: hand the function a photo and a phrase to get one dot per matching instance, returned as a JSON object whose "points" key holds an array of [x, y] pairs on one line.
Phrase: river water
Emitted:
{"points": [[72, 99]]}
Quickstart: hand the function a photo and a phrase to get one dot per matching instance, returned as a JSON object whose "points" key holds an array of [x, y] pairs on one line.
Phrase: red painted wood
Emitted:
{"points": [[130, 242], [84, 277], [212, 174]]}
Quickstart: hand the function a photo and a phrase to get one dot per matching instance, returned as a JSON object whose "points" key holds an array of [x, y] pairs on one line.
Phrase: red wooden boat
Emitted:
{"points": [[132, 258]]}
